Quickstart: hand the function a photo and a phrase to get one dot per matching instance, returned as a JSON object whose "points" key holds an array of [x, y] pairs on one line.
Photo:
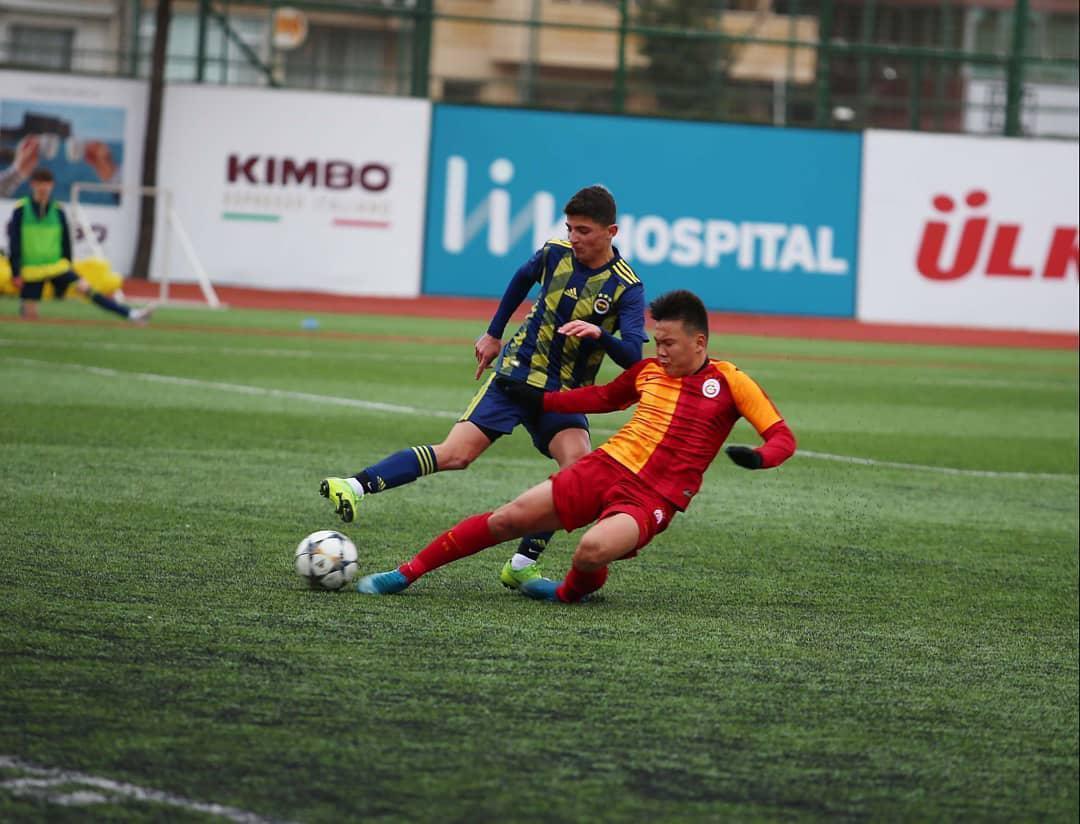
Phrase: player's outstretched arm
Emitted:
{"points": [[778, 447], [621, 393]]}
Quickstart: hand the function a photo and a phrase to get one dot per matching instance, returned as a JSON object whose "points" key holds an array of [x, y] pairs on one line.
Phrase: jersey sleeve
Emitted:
{"points": [[754, 405], [778, 447], [626, 349], [516, 291], [609, 397], [750, 399]]}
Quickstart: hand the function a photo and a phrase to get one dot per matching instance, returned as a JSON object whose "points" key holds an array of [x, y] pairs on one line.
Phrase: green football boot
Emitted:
{"points": [[513, 578], [341, 495]]}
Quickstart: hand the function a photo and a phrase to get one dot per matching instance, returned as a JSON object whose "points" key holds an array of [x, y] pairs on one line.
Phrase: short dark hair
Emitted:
{"points": [[682, 305], [594, 202], [42, 174]]}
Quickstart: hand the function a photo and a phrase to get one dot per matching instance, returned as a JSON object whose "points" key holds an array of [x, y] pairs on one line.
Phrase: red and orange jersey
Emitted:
{"points": [[680, 423]]}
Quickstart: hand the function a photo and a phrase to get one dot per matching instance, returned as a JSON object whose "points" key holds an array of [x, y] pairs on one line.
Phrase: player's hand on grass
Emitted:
{"points": [[580, 329], [486, 349], [744, 456], [530, 397]]}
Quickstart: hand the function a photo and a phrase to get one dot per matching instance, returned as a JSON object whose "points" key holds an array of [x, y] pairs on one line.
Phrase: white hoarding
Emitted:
{"points": [[84, 130], [969, 231], [298, 190]]}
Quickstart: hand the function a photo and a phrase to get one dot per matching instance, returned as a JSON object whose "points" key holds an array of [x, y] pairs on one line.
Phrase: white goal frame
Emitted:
{"points": [[171, 225]]}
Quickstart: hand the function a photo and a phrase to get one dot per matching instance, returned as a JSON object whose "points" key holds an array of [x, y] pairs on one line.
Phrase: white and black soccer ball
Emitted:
{"points": [[327, 559]]}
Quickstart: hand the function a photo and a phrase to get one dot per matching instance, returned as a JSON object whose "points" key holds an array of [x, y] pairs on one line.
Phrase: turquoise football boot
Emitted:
{"points": [[382, 583], [541, 589]]}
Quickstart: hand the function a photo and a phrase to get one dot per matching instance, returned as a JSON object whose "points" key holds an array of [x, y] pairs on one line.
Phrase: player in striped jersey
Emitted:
{"points": [[633, 485], [588, 293]]}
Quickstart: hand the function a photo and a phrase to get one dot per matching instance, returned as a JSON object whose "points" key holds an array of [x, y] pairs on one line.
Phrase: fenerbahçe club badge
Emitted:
{"points": [[711, 388], [601, 304]]}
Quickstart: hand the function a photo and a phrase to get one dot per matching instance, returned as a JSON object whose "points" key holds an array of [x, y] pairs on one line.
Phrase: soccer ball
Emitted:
{"points": [[327, 559]]}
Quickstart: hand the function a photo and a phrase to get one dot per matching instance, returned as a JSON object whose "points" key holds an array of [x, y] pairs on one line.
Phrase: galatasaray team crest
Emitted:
{"points": [[711, 388]]}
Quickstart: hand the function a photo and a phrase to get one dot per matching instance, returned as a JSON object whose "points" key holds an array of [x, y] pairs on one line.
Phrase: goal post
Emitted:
{"points": [[171, 226]]}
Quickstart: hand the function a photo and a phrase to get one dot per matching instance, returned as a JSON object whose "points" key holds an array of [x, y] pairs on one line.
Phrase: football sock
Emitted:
{"points": [[519, 561], [355, 486], [532, 545], [108, 303], [578, 584], [468, 537], [398, 469]]}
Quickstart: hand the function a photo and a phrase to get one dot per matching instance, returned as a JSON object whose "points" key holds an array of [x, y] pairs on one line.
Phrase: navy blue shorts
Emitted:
{"points": [[31, 289], [497, 415]]}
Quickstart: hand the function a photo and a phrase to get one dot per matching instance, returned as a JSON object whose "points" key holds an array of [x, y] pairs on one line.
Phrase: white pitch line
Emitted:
{"points": [[924, 380], [944, 470], [238, 351], [466, 359], [43, 778], [243, 389], [246, 389]]}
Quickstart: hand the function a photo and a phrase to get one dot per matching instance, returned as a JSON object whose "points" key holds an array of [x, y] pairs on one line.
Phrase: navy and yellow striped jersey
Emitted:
{"points": [[610, 296]]}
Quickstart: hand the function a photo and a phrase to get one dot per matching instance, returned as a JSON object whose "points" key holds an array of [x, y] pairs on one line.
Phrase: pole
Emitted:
{"points": [[1014, 84], [866, 34], [620, 68], [200, 46], [421, 55], [823, 115], [162, 18], [916, 91]]}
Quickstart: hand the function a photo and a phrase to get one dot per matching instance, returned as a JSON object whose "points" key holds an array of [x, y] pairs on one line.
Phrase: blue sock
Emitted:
{"points": [[109, 303], [532, 545], [398, 469]]}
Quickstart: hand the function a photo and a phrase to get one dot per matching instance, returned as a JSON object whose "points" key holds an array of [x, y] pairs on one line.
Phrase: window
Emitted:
{"points": [[225, 61], [337, 58], [41, 47]]}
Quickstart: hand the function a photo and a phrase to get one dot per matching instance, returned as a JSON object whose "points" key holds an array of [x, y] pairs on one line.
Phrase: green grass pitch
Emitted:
{"points": [[864, 641]]}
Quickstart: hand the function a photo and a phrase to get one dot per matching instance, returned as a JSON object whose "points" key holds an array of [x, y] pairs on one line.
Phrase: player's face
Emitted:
{"points": [[41, 190], [591, 241], [680, 351]]}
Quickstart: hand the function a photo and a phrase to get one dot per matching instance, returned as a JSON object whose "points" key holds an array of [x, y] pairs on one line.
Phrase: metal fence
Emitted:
{"points": [[949, 66]]}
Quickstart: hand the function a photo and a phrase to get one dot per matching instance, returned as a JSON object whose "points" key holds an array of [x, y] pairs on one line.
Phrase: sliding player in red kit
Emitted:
{"points": [[632, 485]]}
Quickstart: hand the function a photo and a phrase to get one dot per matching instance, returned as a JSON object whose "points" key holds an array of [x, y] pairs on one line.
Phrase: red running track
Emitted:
{"points": [[719, 322]]}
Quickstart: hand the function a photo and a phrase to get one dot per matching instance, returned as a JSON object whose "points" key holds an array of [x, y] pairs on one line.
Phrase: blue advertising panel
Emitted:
{"points": [[752, 218]]}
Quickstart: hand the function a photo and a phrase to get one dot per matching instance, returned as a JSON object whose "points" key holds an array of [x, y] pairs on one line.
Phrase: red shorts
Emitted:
{"points": [[598, 486]]}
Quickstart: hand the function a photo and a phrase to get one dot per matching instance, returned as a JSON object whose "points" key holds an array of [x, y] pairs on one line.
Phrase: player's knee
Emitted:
{"points": [[450, 457], [508, 521], [455, 460], [572, 446], [590, 555]]}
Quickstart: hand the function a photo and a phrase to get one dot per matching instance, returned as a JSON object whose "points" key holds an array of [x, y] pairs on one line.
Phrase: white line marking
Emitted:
{"points": [[242, 389], [1064, 385], [245, 389], [945, 470], [240, 351], [42, 779]]}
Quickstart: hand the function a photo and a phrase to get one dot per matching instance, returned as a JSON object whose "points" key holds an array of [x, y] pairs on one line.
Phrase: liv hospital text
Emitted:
{"points": [[687, 241]]}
